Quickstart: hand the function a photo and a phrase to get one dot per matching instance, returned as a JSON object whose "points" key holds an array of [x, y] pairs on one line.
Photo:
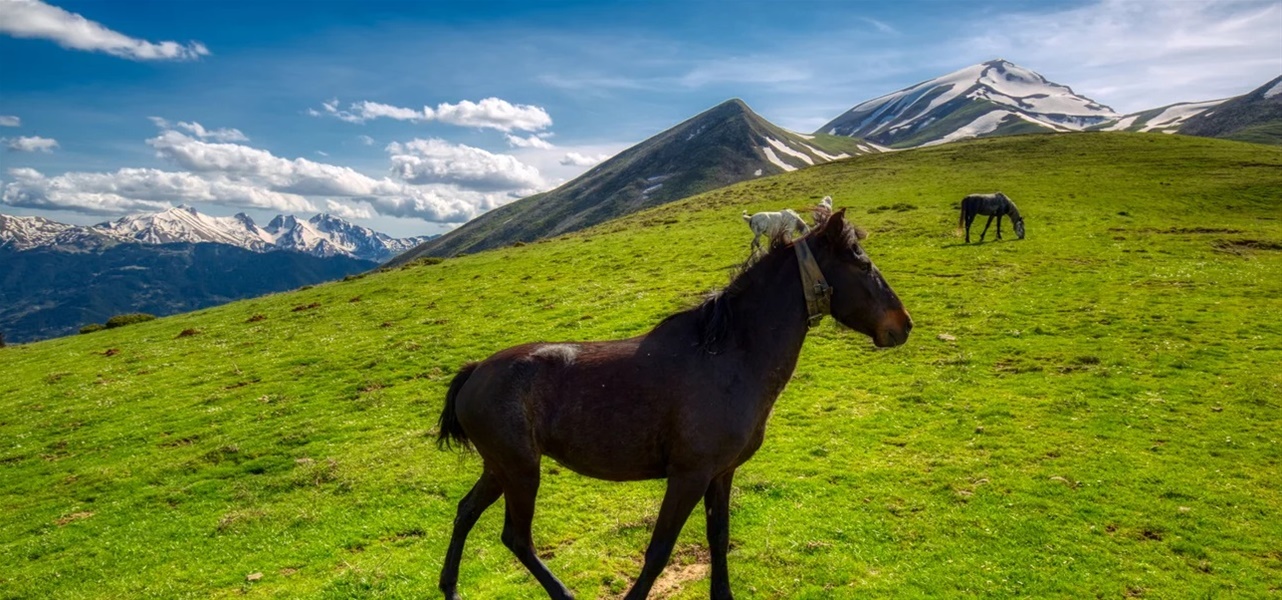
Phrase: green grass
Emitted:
{"points": [[1105, 422]]}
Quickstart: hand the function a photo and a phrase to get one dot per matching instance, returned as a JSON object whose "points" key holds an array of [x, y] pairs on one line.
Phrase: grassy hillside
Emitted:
{"points": [[1091, 412]]}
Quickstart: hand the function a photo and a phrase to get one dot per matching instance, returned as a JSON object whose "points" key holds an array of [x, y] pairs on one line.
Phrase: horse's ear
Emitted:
{"points": [[835, 226]]}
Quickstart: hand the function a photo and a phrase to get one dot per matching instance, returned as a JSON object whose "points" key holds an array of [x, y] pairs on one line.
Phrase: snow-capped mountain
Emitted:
{"points": [[22, 233], [992, 98], [25, 233], [185, 224], [323, 235]]}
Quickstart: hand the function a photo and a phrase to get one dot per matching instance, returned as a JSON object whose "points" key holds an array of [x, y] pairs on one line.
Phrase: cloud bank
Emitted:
{"points": [[432, 180]]}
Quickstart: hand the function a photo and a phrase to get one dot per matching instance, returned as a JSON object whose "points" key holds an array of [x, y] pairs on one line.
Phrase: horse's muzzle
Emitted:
{"points": [[894, 329]]}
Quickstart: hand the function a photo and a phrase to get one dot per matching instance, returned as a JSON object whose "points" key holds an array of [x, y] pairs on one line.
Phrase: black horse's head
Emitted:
{"points": [[861, 298]]}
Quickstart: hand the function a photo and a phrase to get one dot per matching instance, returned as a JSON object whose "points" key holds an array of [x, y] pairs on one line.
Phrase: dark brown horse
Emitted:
{"points": [[687, 401]]}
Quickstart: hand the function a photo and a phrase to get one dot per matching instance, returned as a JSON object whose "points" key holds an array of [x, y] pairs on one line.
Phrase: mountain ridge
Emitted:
{"points": [[322, 235]]}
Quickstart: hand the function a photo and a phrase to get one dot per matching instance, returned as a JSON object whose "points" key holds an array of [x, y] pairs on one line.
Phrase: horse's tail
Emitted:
{"points": [[449, 431], [961, 219], [745, 216]]}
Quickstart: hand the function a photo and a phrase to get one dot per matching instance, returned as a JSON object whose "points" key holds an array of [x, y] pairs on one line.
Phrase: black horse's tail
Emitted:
{"points": [[961, 220], [449, 431]]}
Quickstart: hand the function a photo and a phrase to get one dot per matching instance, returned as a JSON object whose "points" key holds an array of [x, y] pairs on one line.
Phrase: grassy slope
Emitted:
{"points": [[1105, 423]]}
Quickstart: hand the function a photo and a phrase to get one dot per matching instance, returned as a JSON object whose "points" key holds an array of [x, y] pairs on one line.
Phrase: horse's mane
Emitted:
{"points": [[713, 318]]}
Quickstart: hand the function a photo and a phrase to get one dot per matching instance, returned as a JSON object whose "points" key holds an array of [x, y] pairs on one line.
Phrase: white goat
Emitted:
{"points": [[774, 224], [826, 202]]}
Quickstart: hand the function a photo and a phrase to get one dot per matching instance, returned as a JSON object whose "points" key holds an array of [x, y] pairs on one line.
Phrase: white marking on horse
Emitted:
{"points": [[566, 352]]}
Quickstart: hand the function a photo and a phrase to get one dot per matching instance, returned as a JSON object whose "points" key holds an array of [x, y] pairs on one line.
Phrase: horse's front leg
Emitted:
{"points": [[985, 231], [684, 491], [716, 504], [999, 227]]}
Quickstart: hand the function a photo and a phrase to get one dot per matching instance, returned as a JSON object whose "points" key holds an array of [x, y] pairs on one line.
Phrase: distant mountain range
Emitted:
{"points": [[322, 235], [723, 145], [55, 277], [48, 292]]}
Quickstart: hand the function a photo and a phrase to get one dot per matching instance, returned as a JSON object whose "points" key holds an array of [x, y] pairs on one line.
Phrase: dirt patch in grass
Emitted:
{"points": [[76, 516], [1242, 246], [688, 565]]}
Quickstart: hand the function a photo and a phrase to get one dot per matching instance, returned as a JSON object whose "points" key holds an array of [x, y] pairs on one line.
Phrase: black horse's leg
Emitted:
{"points": [[999, 227], [970, 218], [483, 494], [985, 231], [716, 503], [684, 491], [520, 489]]}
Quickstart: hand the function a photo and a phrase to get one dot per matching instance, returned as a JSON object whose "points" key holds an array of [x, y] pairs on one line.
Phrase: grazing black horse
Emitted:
{"points": [[993, 205], [687, 401]]}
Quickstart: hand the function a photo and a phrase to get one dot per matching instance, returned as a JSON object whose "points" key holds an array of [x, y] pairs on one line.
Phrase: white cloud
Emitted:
{"points": [[33, 143], [131, 190], [533, 141], [365, 139], [35, 19], [218, 135], [580, 160], [198, 130], [490, 113], [348, 211], [438, 161], [10, 121], [494, 113]]}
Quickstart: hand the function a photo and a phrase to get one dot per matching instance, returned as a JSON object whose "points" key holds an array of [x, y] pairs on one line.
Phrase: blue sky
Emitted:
{"points": [[113, 108]]}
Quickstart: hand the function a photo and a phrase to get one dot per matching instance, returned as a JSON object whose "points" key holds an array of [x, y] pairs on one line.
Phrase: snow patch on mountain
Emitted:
{"points": [[1275, 90], [1175, 115], [984, 124], [780, 146], [774, 159]]}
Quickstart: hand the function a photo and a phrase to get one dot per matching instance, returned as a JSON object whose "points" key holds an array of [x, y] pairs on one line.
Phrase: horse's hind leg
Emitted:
{"points": [[521, 487], [683, 494], [483, 494]]}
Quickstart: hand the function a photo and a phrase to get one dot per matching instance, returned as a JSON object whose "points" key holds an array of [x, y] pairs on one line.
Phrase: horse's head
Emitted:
{"points": [[1019, 227], [861, 298]]}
